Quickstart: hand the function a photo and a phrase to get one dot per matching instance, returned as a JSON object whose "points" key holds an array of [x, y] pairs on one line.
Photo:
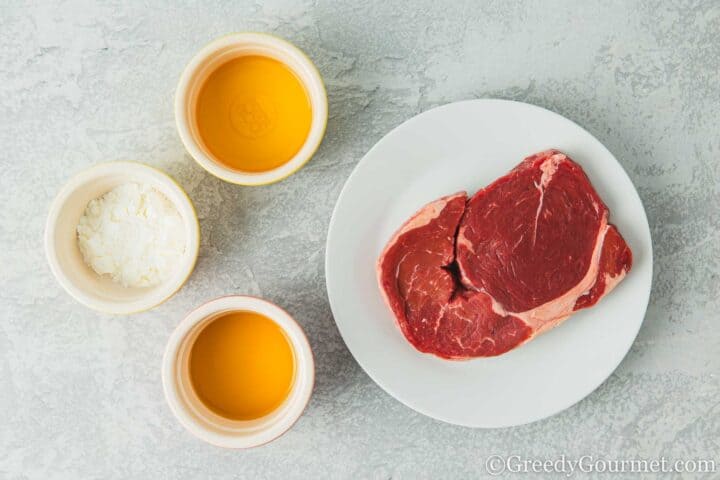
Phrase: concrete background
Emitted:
{"points": [[81, 83]]}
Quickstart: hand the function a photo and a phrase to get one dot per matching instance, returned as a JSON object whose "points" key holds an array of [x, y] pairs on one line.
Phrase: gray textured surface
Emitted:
{"points": [[80, 393]]}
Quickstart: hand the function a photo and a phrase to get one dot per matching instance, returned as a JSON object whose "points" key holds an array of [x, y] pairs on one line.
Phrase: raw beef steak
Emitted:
{"points": [[478, 277]]}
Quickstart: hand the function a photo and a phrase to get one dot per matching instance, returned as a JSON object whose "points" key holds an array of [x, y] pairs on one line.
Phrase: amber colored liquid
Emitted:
{"points": [[242, 366], [253, 113]]}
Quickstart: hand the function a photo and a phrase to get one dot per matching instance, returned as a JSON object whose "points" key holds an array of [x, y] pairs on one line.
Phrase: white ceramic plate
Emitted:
{"points": [[465, 146]]}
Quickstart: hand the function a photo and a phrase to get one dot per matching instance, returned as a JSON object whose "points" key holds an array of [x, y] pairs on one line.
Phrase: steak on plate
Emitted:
{"points": [[478, 277]]}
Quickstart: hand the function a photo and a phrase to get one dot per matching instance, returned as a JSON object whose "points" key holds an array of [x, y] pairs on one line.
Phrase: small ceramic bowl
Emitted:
{"points": [[204, 423], [221, 51], [66, 262]]}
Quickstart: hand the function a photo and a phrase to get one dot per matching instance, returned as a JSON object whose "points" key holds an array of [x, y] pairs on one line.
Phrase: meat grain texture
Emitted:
{"points": [[478, 277]]}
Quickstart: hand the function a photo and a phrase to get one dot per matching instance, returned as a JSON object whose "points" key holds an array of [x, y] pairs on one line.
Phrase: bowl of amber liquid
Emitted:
{"points": [[251, 108], [238, 372]]}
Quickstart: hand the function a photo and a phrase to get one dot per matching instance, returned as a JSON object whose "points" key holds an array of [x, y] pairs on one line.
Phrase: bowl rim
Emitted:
{"points": [[226, 303], [184, 207], [319, 107]]}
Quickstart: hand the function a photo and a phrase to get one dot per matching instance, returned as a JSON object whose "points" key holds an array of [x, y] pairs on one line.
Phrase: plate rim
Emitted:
{"points": [[331, 227]]}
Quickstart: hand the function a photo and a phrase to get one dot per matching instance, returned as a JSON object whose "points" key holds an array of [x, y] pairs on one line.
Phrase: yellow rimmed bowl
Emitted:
{"points": [[218, 53], [202, 422], [63, 254]]}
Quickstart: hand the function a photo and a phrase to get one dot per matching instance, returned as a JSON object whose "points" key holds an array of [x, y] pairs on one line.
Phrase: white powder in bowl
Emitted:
{"points": [[133, 234]]}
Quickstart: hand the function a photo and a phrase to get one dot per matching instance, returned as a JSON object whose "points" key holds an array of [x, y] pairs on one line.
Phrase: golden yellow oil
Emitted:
{"points": [[253, 113], [242, 366]]}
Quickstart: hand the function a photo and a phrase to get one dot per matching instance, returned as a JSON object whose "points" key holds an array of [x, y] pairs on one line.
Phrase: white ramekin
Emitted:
{"points": [[200, 420], [219, 52], [66, 262]]}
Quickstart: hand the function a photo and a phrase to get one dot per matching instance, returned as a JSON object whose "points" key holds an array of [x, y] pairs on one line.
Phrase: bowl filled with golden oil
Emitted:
{"points": [[251, 108], [238, 372]]}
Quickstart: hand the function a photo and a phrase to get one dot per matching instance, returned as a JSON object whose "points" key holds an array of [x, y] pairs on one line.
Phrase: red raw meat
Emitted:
{"points": [[476, 278]]}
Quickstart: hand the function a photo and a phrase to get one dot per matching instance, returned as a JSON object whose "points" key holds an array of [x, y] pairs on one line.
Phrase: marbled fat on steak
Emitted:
{"points": [[478, 277]]}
